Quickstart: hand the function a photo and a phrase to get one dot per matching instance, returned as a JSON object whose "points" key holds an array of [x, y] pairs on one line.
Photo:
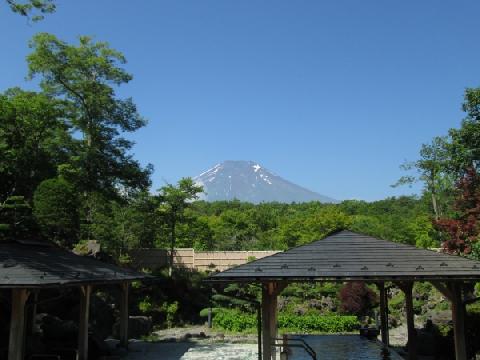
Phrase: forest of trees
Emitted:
{"points": [[68, 174]]}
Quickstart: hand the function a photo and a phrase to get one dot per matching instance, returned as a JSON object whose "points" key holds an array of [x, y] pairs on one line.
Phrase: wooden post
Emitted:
{"points": [[259, 331], [412, 335], [383, 313], [273, 319], [266, 313], [269, 318], [124, 315], [17, 324], [458, 317], [34, 310], [85, 292]]}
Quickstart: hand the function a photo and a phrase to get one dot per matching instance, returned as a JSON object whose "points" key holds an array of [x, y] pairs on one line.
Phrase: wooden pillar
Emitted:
{"points": [[458, 317], [34, 311], [85, 292], [124, 315], [17, 324], [384, 313], [412, 335], [266, 313], [274, 320], [269, 320]]}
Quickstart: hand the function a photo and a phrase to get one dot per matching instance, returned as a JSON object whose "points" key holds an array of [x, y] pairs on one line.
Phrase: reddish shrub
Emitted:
{"points": [[357, 298]]}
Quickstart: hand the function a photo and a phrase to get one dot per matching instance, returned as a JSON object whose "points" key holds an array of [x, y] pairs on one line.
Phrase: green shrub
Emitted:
{"points": [[313, 323], [234, 320], [145, 305], [237, 321], [170, 310]]}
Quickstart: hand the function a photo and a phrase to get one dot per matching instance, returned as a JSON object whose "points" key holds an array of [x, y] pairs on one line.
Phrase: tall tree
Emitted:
{"points": [[34, 141], [85, 78], [465, 145], [174, 201], [432, 170], [462, 230]]}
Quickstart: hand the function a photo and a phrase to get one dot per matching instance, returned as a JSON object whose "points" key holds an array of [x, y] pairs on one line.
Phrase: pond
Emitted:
{"points": [[342, 347], [331, 347]]}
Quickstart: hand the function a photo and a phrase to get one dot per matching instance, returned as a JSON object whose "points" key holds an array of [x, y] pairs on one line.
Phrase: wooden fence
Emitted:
{"points": [[189, 258]]}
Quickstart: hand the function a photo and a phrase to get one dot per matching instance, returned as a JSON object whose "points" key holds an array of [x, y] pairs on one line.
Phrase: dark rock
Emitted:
{"points": [[138, 326]]}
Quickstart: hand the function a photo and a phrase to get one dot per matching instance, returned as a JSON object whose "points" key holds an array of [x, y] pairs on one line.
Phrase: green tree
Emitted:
{"points": [[432, 170], [173, 202], [34, 141], [464, 149], [15, 218], [55, 207], [32, 9], [85, 78]]}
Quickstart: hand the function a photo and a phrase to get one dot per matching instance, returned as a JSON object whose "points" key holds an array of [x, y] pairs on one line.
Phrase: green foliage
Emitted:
{"points": [[55, 207], [234, 320], [170, 310], [33, 8], [84, 77], [174, 200], [237, 321], [315, 323], [15, 218], [145, 305], [34, 141]]}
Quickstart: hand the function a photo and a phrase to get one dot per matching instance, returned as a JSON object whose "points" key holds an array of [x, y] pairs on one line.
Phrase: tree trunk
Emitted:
{"points": [[172, 244]]}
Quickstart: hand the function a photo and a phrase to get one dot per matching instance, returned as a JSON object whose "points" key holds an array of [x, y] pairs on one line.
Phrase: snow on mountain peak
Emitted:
{"points": [[249, 181]]}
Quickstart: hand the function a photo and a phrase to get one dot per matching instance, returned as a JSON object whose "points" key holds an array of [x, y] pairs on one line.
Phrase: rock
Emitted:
{"points": [[443, 317], [138, 326], [426, 343], [55, 329]]}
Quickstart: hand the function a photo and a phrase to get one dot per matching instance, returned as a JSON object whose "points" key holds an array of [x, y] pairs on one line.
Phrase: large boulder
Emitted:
{"points": [[138, 326]]}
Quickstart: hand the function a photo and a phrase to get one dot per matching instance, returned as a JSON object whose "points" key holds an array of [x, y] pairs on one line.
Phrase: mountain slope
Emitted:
{"points": [[248, 181]]}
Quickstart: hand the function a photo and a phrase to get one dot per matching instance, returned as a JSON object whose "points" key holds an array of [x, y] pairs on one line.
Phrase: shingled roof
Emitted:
{"points": [[44, 265], [346, 255]]}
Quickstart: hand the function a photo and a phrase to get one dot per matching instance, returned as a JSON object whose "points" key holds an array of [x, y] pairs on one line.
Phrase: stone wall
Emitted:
{"points": [[199, 260]]}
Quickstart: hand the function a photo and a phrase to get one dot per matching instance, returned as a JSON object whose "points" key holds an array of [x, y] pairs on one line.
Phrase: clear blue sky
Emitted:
{"points": [[332, 95]]}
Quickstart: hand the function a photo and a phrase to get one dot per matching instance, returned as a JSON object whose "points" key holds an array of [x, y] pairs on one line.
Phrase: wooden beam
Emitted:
{"points": [[124, 315], [458, 317], [16, 341], [407, 288], [383, 313], [85, 292]]}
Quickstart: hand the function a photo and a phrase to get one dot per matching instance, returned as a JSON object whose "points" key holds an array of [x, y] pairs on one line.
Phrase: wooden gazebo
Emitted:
{"points": [[27, 267], [348, 256]]}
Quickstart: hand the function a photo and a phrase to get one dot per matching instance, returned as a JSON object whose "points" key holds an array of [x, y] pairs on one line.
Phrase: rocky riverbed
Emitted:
{"points": [[192, 343]]}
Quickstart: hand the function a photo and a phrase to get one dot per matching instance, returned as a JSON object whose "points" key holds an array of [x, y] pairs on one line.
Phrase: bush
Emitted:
{"points": [[314, 323], [357, 298], [237, 321], [234, 320]]}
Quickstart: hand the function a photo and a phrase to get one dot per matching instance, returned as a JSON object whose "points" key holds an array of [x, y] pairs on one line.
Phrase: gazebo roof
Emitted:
{"points": [[35, 264], [345, 255]]}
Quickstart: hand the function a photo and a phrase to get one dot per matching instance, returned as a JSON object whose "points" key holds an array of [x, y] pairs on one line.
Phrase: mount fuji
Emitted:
{"points": [[249, 181]]}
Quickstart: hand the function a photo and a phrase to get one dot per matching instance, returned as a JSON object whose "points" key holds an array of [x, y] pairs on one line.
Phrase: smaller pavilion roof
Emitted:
{"points": [[345, 255], [36, 264]]}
